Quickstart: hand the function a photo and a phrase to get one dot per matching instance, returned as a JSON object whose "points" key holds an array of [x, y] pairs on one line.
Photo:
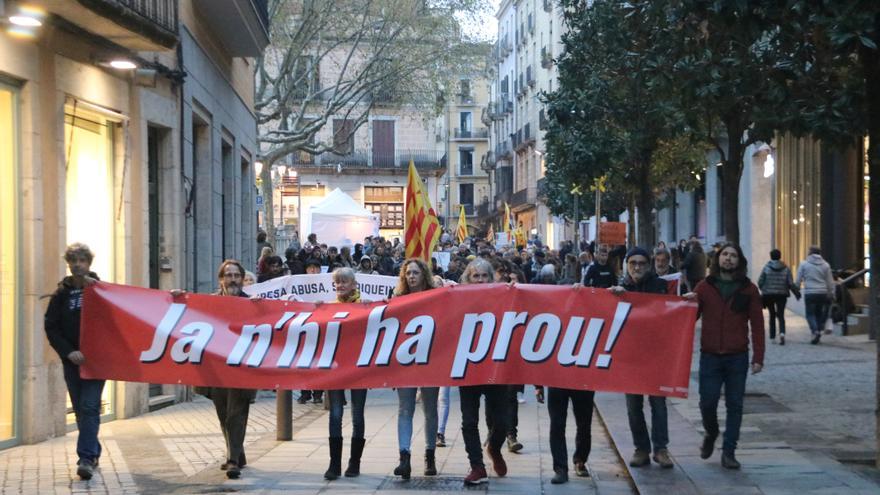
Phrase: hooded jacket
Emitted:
{"points": [[726, 324], [775, 279], [61, 321], [649, 283], [815, 275]]}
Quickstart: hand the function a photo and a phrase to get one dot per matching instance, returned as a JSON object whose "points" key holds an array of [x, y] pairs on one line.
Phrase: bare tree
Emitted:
{"points": [[337, 60]]}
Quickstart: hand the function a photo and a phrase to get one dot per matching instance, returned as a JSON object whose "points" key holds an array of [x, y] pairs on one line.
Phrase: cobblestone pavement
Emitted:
{"points": [[179, 450]]}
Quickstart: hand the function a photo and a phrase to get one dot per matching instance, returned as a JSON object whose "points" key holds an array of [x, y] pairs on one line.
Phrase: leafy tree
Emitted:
{"points": [[608, 117], [728, 66]]}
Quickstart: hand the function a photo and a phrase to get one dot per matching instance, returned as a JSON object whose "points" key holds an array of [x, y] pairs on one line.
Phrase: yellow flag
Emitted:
{"points": [[507, 218], [462, 231]]}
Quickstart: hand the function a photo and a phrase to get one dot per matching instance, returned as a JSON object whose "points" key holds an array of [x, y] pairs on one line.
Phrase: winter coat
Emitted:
{"points": [[694, 266], [775, 279], [61, 321], [815, 275], [601, 276], [727, 324], [649, 283]]}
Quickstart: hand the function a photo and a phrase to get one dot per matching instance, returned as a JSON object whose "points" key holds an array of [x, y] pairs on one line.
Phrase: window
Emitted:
{"points": [[465, 161], [343, 136], [465, 121], [466, 197], [387, 202]]}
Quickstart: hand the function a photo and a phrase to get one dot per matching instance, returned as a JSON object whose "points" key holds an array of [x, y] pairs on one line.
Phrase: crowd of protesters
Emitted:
{"points": [[730, 307]]}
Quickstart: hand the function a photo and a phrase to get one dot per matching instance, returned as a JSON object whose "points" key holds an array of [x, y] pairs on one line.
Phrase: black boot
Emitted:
{"points": [[354, 462], [404, 470], [430, 463], [335, 468]]}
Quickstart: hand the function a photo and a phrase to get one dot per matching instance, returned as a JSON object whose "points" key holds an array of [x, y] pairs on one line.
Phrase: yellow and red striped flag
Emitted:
{"points": [[490, 236], [422, 228], [461, 232], [507, 219]]}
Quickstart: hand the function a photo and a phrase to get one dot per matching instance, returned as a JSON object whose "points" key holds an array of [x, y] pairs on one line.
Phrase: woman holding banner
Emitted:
{"points": [[480, 271], [346, 292], [415, 276]]}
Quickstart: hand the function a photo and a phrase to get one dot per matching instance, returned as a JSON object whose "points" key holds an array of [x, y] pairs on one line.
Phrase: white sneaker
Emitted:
{"points": [[520, 398]]}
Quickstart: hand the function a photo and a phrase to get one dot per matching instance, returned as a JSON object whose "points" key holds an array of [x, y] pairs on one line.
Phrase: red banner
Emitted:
{"points": [[461, 335]]}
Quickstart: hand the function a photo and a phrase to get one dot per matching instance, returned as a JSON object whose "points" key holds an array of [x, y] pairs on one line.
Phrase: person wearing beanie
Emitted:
{"points": [[640, 278]]}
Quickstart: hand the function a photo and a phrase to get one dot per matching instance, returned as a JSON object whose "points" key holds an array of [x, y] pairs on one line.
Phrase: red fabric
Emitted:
{"points": [[121, 339], [726, 331]]}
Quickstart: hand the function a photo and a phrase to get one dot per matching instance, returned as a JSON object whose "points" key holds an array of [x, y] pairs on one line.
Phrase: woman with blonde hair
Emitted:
{"points": [[415, 276], [479, 271], [262, 263], [346, 292]]}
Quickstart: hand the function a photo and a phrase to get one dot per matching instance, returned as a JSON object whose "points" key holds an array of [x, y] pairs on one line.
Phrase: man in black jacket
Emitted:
{"points": [[640, 278], [62, 329], [601, 273]]}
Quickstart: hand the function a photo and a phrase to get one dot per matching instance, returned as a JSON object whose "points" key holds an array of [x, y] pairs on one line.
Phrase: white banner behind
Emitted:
{"points": [[319, 287]]}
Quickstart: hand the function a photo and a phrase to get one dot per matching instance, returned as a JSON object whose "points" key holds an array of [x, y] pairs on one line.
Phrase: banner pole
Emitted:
{"points": [[284, 415]]}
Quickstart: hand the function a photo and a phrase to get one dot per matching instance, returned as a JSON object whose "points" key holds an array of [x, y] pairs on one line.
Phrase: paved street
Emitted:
{"points": [[808, 428]]}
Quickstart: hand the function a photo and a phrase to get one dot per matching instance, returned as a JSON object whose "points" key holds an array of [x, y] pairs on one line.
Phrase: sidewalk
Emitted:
{"points": [[808, 425], [179, 450]]}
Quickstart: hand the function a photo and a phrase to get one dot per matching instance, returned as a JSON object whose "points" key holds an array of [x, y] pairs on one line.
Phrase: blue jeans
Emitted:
{"points": [[85, 395], [405, 411], [635, 405], [729, 370], [443, 410], [816, 309], [358, 399]]}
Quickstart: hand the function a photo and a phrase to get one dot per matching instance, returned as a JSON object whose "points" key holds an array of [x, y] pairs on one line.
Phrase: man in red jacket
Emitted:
{"points": [[730, 307]]}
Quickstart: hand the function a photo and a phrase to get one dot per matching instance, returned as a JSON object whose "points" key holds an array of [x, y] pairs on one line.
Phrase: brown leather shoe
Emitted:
{"points": [[662, 458], [640, 458]]}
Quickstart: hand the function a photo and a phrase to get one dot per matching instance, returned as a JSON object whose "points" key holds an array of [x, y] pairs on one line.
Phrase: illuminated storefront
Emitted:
{"points": [[89, 202], [8, 265]]}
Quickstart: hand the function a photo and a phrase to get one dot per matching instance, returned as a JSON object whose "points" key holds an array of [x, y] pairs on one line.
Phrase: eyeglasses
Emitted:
{"points": [[637, 263]]}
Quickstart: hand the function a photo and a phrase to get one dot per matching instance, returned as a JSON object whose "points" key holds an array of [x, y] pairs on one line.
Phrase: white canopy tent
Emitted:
{"points": [[340, 221]]}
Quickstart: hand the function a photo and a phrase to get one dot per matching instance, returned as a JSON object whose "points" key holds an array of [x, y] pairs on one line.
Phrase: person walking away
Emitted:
{"points": [[346, 292], [61, 324], [730, 309], [775, 283], [479, 271], [814, 274], [415, 276], [640, 278], [693, 268]]}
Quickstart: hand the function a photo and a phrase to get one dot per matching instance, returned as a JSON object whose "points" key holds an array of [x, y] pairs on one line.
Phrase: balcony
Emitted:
{"points": [[516, 138], [481, 133], [503, 183], [371, 160], [465, 99], [528, 137], [546, 58], [548, 5], [139, 25], [505, 47], [530, 77], [524, 197], [490, 161], [542, 120], [508, 107], [242, 26]]}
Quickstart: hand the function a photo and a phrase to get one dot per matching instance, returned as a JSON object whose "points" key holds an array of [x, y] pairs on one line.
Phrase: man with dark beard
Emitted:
{"points": [[729, 305]]}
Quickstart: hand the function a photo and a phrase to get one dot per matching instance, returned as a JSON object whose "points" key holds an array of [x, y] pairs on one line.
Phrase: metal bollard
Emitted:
{"points": [[284, 415]]}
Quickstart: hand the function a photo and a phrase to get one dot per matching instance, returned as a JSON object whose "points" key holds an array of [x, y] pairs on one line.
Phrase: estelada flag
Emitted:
{"points": [[507, 219], [422, 228], [491, 235], [461, 232]]}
